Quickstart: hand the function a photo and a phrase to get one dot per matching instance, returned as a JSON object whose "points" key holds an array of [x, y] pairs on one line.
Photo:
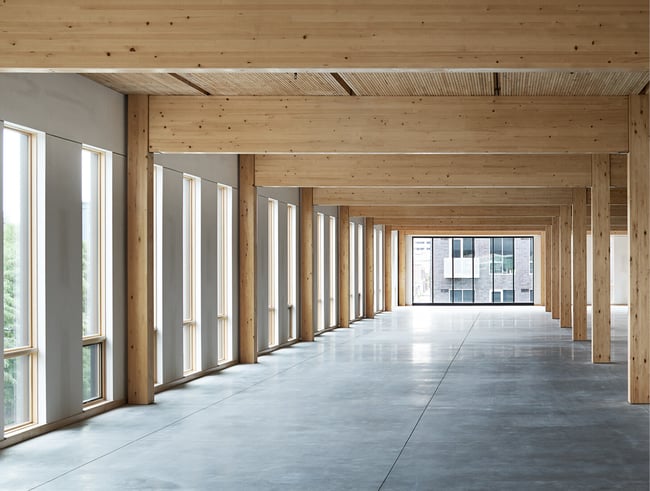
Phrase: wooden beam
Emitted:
{"points": [[442, 197], [344, 266], [639, 229], [579, 220], [247, 251], [140, 286], [332, 36], [562, 170], [369, 270], [565, 267], [388, 269], [466, 221], [334, 124], [548, 267], [401, 265], [453, 211], [306, 264], [555, 271], [474, 231], [616, 197], [601, 327], [618, 170]]}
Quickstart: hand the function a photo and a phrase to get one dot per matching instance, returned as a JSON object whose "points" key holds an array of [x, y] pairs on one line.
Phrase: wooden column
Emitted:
{"points": [[369, 271], [638, 205], [579, 220], [401, 260], [140, 361], [600, 224], [247, 251], [565, 267], [344, 266], [306, 264], [548, 267], [555, 269], [388, 268]]}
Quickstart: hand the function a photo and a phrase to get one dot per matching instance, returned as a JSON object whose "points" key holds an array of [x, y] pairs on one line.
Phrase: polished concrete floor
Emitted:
{"points": [[421, 398]]}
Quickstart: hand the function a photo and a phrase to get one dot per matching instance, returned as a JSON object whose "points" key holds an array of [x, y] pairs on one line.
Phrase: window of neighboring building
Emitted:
{"points": [[19, 269], [224, 268], [273, 272], [292, 267], [190, 223], [332, 272], [93, 286]]}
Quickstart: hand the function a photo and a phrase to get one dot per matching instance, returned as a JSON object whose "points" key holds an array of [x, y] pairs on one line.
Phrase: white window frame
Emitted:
{"points": [[224, 268]]}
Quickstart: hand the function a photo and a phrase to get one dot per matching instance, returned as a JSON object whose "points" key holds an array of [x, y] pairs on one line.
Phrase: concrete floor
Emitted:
{"points": [[422, 398]]}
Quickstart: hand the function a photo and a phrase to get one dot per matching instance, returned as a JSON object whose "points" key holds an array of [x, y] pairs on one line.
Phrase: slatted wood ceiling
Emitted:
{"points": [[569, 84], [144, 83], [424, 84]]}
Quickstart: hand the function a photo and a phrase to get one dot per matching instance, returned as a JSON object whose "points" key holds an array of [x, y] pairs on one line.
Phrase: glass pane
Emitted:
{"points": [[15, 187], [360, 272], [187, 249], [468, 247], [523, 271], [188, 348], [483, 270], [352, 271], [90, 285], [508, 296], [503, 266], [496, 297], [422, 270], [457, 247], [442, 270], [92, 372], [17, 390], [463, 268]]}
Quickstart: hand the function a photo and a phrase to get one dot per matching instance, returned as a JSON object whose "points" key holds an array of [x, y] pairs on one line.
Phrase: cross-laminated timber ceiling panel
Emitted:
{"points": [[420, 83], [144, 83], [254, 125], [572, 83], [334, 34]]}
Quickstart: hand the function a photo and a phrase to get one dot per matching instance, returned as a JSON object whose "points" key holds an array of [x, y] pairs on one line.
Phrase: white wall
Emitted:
{"points": [[72, 110], [619, 270]]}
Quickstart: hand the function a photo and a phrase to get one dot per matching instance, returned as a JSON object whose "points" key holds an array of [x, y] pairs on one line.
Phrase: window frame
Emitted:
{"points": [[190, 323], [224, 268], [273, 276]]}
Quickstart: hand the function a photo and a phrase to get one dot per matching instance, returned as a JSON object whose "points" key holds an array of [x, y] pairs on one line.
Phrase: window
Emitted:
{"points": [[353, 271], [502, 250], [292, 266], [93, 271], [332, 272], [360, 306], [379, 268], [19, 268], [273, 272], [320, 272], [224, 268], [157, 270], [190, 221]]}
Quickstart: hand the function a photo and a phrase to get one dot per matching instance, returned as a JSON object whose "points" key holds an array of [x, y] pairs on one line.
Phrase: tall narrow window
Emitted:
{"points": [[189, 273], [157, 269], [360, 306], [379, 268], [273, 272], [18, 184], [320, 272], [93, 273], [292, 263], [224, 267], [353, 271], [332, 272]]}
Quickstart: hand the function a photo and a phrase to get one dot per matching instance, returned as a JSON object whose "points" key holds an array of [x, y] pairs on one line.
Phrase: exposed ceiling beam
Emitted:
{"points": [[380, 212]]}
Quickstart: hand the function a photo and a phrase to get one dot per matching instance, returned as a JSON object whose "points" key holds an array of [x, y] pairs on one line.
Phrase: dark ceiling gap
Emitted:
{"points": [[191, 84], [343, 83], [497, 83]]}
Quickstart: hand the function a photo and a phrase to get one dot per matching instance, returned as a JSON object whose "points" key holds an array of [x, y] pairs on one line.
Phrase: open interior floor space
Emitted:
{"points": [[419, 398]]}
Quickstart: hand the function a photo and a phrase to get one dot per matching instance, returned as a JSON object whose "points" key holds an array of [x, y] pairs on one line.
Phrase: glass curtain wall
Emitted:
{"points": [[473, 270]]}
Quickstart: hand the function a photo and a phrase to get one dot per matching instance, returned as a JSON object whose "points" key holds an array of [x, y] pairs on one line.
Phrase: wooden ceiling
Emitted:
{"points": [[602, 83]]}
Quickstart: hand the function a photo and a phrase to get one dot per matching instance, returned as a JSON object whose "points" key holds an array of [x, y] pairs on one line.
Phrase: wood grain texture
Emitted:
{"points": [[579, 219], [601, 319], [423, 170], [542, 269], [388, 124], [604, 83], [369, 269], [144, 83], [548, 267], [453, 211], [565, 267], [388, 268], [420, 83], [555, 268], [247, 263], [344, 266], [441, 222], [401, 266], [140, 360], [306, 264], [639, 230], [294, 34], [442, 197]]}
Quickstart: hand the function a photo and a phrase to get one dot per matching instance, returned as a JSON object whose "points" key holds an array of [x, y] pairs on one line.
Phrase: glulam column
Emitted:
{"points": [[344, 266], [638, 205], [548, 267], [388, 268], [600, 229], [369, 270], [555, 268], [565, 267], [140, 362], [579, 219], [306, 264], [247, 251]]}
